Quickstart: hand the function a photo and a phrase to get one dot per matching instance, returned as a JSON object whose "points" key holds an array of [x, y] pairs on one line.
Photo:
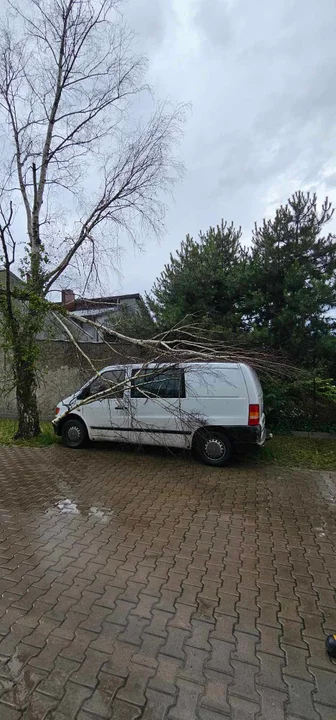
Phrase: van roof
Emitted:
{"points": [[136, 366]]}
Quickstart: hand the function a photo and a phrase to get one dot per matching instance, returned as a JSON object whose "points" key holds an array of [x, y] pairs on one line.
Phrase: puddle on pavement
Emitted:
{"points": [[102, 514], [70, 507], [20, 691], [67, 506], [17, 662]]}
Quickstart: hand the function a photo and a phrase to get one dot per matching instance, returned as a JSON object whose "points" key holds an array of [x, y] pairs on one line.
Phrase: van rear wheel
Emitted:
{"points": [[74, 434], [213, 447]]}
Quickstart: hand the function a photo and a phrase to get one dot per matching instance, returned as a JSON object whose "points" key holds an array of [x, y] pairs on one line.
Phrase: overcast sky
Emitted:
{"points": [[260, 75]]}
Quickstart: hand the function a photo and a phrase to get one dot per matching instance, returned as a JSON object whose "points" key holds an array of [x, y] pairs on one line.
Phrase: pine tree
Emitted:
{"points": [[292, 279], [203, 279]]}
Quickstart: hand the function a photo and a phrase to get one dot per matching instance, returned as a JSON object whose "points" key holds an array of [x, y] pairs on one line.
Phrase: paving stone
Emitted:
{"points": [[326, 686], [328, 615], [244, 680], [149, 650], [175, 641], [207, 714], [157, 705], [220, 657], [165, 677], [300, 698], [94, 622], [215, 695], [120, 659], [272, 704], [46, 658], [158, 624], [13, 615], [144, 607], [110, 596], [73, 699], [87, 674], [76, 649], [292, 633], [288, 608], [271, 668], [318, 654], [247, 622], [223, 628], [101, 700], [268, 615], [199, 637], [243, 709], [13, 638], [137, 681], [326, 713], [167, 601], [103, 642], [7, 713], [194, 665], [269, 640], [181, 617], [296, 662], [188, 694], [39, 707], [54, 684], [123, 711], [206, 610], [312, 626], [245, 648], [227, 604]]}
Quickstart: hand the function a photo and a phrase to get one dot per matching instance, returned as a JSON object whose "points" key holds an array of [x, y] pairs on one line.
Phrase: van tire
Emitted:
{"points": [[208, 442], [74, 434]]}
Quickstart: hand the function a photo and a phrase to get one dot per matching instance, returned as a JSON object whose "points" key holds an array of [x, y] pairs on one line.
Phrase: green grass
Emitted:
{"points": [[291, 451], [285, 450], [8, 429]]}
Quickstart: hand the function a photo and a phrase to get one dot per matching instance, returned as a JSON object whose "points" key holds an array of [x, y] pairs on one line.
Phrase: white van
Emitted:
{"points": [[212, 408]]}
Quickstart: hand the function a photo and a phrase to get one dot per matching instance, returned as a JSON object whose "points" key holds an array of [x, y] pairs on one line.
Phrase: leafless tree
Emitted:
{"points": [[76, 166]]}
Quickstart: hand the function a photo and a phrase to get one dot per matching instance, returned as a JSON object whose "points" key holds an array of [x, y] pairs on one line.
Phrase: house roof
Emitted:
{"points": [[104, 302], [96, 311]]}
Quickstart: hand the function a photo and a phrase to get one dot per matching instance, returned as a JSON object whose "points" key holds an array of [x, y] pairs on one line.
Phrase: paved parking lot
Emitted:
{"points": [[143, 585]]}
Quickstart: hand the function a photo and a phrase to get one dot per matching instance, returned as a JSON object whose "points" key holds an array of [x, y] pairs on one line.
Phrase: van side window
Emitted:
{"points": [[164, 383], [107, 380]]}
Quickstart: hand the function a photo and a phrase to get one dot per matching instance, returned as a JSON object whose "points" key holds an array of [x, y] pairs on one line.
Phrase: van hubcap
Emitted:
{"points": [[214, 448], [74, 434]]}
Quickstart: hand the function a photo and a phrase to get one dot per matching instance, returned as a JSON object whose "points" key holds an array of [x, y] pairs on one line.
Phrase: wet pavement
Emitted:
{"points": [[145, 585]]}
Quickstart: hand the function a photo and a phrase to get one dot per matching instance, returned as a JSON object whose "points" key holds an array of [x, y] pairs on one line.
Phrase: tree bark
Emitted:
{"points": [[28, 414]]}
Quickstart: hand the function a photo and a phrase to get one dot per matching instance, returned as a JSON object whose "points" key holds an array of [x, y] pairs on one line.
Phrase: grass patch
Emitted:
{"points": [[285, 450], [290, 451], [8, 430]]}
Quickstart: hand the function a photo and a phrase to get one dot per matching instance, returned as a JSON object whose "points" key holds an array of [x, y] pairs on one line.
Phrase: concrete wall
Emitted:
{"points": [[62, 370]]}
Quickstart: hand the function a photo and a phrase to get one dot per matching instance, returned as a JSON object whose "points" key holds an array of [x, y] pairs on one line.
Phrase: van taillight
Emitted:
{"points": [[254, 415]]}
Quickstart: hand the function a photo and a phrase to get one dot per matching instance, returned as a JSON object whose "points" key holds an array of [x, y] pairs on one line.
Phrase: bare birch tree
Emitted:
{"points": [[75, 166]]}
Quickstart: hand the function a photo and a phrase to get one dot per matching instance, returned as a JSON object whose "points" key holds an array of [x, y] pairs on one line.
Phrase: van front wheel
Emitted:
{"points": [[213, 447], [74, 434]]}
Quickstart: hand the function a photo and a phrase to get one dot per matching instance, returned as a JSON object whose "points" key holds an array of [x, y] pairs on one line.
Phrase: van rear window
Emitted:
{"points": [[203, 381]]}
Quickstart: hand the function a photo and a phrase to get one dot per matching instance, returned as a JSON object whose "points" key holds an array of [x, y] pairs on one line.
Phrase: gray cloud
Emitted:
{"points": [[213, 21], [260, 76]]}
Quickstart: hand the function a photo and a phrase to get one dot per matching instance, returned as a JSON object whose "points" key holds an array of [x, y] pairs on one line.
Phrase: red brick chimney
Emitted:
{"points": [[68, 298]]}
